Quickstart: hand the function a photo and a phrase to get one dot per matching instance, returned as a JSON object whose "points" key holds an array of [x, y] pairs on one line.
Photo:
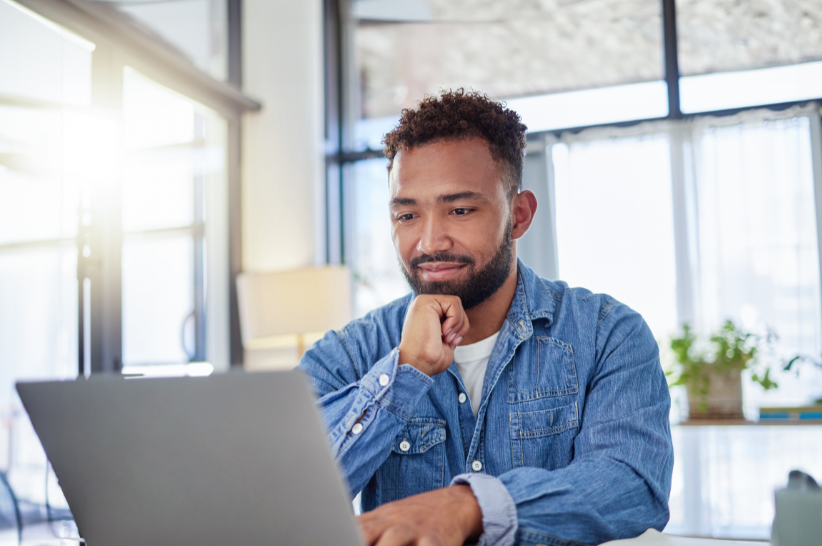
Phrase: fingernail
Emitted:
{"points": [[451, 338], [457, 341], [448, 331]]}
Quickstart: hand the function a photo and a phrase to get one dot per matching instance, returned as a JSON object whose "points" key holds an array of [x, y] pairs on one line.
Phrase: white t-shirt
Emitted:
{"points": [[471, 361]]}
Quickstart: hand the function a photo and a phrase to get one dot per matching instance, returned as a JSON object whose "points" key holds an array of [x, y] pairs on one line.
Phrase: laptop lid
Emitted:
{"points": [[227, 459]]}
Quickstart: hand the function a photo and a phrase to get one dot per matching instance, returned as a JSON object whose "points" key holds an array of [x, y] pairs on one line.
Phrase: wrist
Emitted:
{"points": [[469, 511], [405, 357]]}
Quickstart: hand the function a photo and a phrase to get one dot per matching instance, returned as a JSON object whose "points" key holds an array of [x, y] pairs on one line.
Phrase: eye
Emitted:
{"points": [[405, 217], [461, 212]]}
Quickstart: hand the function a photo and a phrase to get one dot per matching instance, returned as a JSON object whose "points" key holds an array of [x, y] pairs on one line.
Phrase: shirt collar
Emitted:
{"points": [[532, 300]]}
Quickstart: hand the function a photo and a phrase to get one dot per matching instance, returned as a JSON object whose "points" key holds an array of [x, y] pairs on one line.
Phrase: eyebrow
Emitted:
{"points": [[448, 198], [461, 196]]}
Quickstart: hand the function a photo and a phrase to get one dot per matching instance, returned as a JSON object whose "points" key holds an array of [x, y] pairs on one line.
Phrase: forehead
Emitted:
{"points": [[446, 166]]}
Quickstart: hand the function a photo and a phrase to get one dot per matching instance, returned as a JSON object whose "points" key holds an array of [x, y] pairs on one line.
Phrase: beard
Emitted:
{"points": [[480, 284]]}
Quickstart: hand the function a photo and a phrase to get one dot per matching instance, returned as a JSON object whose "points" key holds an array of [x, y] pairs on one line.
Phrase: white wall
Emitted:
{"points": [[283, 181]]}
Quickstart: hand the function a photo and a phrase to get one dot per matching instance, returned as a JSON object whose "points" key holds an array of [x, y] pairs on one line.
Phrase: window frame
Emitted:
{"points": [[341, 92], [120, 44]]}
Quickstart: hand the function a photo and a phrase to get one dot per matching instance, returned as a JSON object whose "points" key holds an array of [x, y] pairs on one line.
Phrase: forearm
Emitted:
{"points": [[363, 418], [586, 502], [613, 489]]}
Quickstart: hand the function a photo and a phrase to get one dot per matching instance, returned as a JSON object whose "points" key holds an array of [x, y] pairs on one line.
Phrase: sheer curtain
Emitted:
{"points": [[745, 221], [615, 222], [757, 256]]}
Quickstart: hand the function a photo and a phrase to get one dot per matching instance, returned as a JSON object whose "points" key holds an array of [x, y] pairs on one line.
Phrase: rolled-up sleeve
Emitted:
{"points": [[499, 513]]}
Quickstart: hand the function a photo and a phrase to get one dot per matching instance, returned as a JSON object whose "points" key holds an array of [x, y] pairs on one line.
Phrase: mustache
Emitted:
{"points": [[441, 257]]}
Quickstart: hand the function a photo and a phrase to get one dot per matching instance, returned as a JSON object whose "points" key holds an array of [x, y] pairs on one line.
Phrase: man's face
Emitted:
{"points": [[451, 220]]}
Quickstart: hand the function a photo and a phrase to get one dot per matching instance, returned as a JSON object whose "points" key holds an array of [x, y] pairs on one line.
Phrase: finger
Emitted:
{"points": [[429, 540], [449, 325], [458, 333], [371, 527], [398, 535], [461, 332], [450, 306], [452, 327]]}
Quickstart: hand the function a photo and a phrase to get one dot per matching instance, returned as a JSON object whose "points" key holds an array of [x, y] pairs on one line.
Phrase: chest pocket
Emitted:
{"points": [[416, 463], [544, 438], [543, 367]]}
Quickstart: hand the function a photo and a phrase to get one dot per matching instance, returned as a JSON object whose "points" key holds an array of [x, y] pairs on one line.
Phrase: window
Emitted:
{"points": [[757, 252], [113, 178], [44, 115], [739, 240], [377, 275], [614, 219], [174, 180]]}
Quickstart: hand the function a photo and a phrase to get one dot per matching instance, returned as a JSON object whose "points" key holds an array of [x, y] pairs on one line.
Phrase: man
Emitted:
{"points": [[491, 405]]}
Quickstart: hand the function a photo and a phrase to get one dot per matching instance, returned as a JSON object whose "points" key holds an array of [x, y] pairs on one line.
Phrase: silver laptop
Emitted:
{"points": [[220, 460]]}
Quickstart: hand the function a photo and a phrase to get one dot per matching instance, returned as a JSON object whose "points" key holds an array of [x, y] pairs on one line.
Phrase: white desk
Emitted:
{"points": [[654, 538]]}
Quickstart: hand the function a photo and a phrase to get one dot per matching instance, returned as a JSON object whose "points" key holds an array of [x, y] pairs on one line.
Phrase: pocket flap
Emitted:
{"points": [[533, 424], [419, 435]]}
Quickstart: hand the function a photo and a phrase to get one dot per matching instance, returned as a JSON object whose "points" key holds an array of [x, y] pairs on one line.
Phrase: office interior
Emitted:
{"points": [[177, 177]]}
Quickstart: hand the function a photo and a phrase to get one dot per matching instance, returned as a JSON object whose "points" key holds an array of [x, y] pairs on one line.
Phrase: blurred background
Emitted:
{"points": [[156, 155]]}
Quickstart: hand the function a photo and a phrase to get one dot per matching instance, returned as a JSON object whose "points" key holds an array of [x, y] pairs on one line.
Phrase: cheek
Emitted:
{"points": [[484, 241], [401, 243]]}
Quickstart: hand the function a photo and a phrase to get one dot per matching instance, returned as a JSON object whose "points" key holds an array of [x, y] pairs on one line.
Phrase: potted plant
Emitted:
{"points": [[712, 371]]}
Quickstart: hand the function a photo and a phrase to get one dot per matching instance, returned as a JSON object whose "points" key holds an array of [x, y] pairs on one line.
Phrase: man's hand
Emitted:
{"points": [[434, 325], [444, 517]]}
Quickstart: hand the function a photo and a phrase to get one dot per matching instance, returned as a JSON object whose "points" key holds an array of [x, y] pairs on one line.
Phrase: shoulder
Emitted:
{"points": [[558, 299], [617, 328], [609, 320], [580, 301]]}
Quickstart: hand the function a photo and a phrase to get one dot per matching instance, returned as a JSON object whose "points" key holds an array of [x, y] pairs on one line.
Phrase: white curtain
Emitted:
{"points": [[615, 221], [746, 226], [757, 257]]}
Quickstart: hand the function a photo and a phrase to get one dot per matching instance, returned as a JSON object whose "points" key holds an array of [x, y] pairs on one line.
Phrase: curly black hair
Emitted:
{"points": [[461, 115]]}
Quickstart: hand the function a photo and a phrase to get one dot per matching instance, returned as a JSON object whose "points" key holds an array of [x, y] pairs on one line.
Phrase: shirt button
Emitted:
{"points": [[404, 445], [384, 379], [476, 466], [462, 398], [357, 428]]}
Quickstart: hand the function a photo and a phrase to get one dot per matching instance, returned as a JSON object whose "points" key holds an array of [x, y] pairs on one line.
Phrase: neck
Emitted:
{"points": [[487, 318]]}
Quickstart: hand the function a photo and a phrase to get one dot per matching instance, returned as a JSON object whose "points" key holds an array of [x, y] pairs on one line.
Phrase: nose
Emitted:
{"points": [[434, 237]]}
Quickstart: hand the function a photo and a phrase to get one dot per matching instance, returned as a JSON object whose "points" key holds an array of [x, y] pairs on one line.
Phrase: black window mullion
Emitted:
{"points": [[671, 56]]}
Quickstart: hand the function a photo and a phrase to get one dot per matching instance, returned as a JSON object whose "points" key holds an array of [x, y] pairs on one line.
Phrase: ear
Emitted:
{"points": [[523, 208]]}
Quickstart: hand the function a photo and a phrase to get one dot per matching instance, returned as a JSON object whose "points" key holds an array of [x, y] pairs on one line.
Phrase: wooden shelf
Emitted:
{"points": [[745, 423]]}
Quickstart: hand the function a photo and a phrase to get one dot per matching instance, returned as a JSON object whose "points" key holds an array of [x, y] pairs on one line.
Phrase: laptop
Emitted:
{"points": [[226, 459]]}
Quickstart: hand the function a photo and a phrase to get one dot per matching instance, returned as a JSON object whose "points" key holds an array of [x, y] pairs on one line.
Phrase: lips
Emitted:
{"points": [[440, 271]]}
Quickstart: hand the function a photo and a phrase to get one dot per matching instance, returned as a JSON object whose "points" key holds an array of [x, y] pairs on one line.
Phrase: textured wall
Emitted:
{"points": [[509, 48], [723, 35]]}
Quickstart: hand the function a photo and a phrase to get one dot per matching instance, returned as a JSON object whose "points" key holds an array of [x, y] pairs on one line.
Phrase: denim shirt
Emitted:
{"points": [[571, 443]]}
